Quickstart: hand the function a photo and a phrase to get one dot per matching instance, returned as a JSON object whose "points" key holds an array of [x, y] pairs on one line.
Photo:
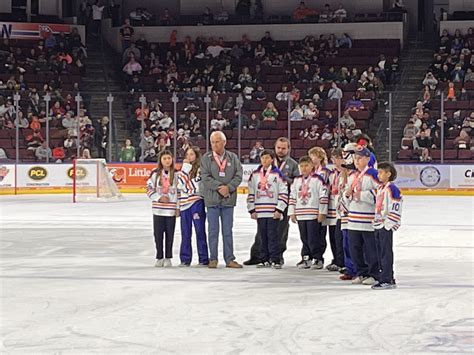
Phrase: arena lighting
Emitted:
{"points": [[47, 99]]}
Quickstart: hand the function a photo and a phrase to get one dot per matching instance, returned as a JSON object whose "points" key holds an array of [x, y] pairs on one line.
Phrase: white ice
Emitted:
{"points": [[80, 279]]}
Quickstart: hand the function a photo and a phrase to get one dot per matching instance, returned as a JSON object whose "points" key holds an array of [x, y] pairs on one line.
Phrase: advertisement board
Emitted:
{"points": [[462, 176], [32, 31], [132, 177], [423, 176]]}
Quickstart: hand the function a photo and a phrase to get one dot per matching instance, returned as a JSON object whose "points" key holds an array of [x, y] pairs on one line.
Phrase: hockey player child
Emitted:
{"points": [[337, 180], [388, 211], [161, 189], [266, 201], [192, 210], [320, 159], [308, 207], [360, 194]]}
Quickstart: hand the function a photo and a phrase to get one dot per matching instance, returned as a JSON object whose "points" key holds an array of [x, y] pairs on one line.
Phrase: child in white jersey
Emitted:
{"points": [[308, 207], [161, 189], [388, 212], [266, 202]]}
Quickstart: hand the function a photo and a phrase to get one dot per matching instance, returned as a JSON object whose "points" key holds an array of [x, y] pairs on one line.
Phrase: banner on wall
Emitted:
{"points": [[423, 176], [462, 176], [135, 175], [33, 31]]}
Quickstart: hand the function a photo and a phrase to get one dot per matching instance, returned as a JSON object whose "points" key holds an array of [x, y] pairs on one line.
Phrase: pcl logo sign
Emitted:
{"points": [[81, 173], [37, 173]]}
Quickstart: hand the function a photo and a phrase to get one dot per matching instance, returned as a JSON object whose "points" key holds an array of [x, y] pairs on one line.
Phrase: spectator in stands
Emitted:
{"points": [[451, 93], [326, 15], [255, 152], [147, 147], [267, 42], [469, 74], [126, 33], [218, 122], [424, 143], [430, 81], [131, 51], [297, 113], [355, 104], [311, 112], [410, 133], [21, 121], [463, 141], [70, 145], [340, 15], [34, 140], [335, 93], [260, 95], [43, 152], [347, 121], [207, 18], [302, 12], [97, 11], [457, 75], [270, 113], [283, 94], [86, 154], [166, 18], [254, 122], [132, 67]]}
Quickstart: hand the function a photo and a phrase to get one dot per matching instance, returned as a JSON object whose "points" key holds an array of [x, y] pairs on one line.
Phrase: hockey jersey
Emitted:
{"points": [[267, 192], [361, 205], [188, 187], [308, 197], [157, 188], [342, 210], [388, 208], [333, 188]]}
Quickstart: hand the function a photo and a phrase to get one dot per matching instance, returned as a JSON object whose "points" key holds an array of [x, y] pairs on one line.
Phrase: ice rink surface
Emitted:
{"points": [[80, 279]]}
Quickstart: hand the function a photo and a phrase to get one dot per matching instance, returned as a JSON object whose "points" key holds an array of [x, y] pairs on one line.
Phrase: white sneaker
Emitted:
{"points": [[368, 281], [357, 280], [317, 264], [305, 263], [159, 262], [167, 263]]}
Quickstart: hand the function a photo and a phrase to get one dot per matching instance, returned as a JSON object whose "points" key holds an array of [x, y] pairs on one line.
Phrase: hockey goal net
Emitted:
{"points": [[93, 182]]}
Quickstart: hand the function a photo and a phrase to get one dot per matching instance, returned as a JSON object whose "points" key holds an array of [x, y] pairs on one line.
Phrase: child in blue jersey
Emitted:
{"points": [[192, 210], [161, 189], [388, 212], [266, 202], [320, 159]]}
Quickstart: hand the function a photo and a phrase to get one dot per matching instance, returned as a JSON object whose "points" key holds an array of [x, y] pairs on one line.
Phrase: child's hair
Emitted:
{"points": [[320, 153], [268, 152], [159, 167], [337, 153], [196, 163], [388, 167], [305, 159]]}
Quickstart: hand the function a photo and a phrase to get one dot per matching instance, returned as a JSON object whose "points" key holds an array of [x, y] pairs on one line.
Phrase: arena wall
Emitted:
{"points": [[366, 30]]}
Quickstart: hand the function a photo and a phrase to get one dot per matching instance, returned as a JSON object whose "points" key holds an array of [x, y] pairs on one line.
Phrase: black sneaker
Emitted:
{"points": [[252, 262], [383, 286]]}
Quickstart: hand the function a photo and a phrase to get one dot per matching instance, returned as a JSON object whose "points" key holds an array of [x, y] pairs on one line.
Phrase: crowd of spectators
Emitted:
{"points": [[36, 68], [451, 76], [210, 66]]}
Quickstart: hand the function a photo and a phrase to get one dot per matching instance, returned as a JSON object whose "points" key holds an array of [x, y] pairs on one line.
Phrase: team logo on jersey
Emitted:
{"points": [[430, 176], [81, 172], [304, 194], [3, 172], [37, 173], [264, 190]]}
